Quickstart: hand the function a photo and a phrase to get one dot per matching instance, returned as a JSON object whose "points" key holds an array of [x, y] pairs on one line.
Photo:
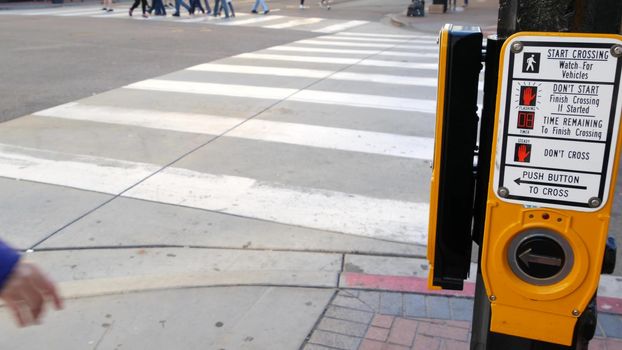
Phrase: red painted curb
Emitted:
{"points": [[419, 285], [401, 284]]}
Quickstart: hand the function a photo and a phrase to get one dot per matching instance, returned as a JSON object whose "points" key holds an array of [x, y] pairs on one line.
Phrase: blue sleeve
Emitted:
{"points": [[8, 259]]}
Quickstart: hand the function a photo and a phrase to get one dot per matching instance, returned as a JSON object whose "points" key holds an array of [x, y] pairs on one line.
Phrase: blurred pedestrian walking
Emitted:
{"points": [[221, 5], [194, 5], [178, 4], [143, 4], [302, 4], [158, 7], [263, 5], [107, 6], [230, 4], [208, 9]]}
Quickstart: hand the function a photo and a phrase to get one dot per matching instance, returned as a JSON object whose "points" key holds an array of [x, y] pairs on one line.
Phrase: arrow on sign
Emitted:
{"points": [[521, 181], [527, 258]]}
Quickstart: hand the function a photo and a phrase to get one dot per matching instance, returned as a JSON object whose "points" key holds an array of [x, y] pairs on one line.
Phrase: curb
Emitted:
{"points": [[395, 22], [418, 285]]}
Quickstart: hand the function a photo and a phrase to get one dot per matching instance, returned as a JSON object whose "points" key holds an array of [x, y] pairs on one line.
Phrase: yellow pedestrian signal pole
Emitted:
{"points": [[556, 155], [537, 189], [549, 201]]}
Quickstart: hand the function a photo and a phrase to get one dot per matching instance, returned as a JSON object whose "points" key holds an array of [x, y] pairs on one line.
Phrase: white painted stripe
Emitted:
{"points": [[159, 18], [339, 60], [252, 20], [409, 54], [153, 119], [289, 48], [213, 89], [78, 171], [82, 13], [344, 43], [314, 208], [261, 70], [294, 23], [341, 26], [385, 79], [27, 12], [193, 20], [363, 100], [318, 74], [315, 59], [115, 14], [403, 41], [55, 11], [256, 129], [374, 35], [310, 96], [337, 139], [417, 47], [307, 207], [352, 44]]}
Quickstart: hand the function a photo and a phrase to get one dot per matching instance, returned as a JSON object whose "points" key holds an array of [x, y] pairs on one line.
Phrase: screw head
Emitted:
{"points": [[594, 202], [576, 313], [493, 298], [517, 47], [503, 192], [616, 51]]}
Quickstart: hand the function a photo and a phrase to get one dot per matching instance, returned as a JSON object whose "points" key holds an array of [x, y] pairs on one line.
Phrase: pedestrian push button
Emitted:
{"points": [[540, 256]]}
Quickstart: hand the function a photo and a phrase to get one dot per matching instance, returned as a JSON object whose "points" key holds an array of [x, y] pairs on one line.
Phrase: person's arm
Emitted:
{"points": [[8, 259], [24, 288]]}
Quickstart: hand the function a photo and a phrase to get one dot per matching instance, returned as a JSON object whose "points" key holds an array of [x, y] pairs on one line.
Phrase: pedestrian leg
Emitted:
{"points": [[231, 8], [265, 7], [134, 5], [159, 8], [143, 4], [223, 6], [178, 4], [217, 7], [208, 9], [185, 6]]}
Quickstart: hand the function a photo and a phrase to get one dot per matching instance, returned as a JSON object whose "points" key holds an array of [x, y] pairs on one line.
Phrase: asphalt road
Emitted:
{"points": [[49, 60]]}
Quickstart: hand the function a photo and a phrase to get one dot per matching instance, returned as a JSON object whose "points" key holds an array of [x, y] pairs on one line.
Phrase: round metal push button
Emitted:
{"points": [[540, 256]]}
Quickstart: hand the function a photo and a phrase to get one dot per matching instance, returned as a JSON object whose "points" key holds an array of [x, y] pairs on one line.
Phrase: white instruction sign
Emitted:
{"points": [[558, 120]]}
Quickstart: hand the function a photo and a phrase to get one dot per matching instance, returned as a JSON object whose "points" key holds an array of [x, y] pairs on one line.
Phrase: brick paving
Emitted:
{"points": [[370, 320]]}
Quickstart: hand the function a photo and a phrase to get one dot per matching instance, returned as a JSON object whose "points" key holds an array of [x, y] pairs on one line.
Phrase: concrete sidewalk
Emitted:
{"points": [[141, 273], [192, 298]]}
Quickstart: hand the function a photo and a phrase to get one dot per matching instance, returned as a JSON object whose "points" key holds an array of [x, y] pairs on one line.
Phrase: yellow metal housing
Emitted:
{"points": [[547, 313], [436, 164]]}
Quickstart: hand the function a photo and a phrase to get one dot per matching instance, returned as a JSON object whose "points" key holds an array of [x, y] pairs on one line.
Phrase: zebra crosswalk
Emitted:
{"points": [[272, 21], [331, 135]]}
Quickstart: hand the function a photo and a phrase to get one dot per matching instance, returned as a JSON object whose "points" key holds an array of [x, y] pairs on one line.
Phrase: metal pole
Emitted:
{"points": [[581, 16], [481, 312]]}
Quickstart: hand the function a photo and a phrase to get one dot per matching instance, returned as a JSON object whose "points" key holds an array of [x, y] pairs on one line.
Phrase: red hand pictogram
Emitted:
{"points": [[528, 96], [522, 153]]}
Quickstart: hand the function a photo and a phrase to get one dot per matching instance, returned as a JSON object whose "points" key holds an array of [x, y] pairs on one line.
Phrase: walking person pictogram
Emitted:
{"points": [[531, 62]]}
